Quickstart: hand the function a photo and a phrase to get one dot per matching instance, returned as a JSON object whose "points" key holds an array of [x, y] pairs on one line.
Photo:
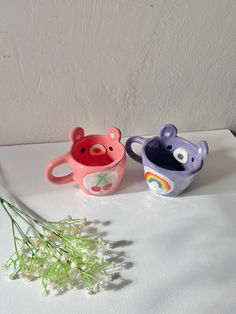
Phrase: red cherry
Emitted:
{"points": [[107, 186], [95, 188]]}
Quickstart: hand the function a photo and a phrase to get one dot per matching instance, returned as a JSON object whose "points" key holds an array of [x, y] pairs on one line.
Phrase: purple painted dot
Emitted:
{"points": [[180, 156]]}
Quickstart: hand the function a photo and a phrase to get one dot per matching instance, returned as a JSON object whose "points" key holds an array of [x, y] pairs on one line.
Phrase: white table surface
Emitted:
{"points": [[182, 250]]}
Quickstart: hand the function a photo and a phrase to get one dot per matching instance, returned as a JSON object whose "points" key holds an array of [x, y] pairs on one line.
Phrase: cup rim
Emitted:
{"points": [[184, 172], [97, 167]]}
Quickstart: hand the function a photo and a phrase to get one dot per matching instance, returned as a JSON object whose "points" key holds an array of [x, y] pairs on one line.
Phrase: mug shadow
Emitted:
{"points": [[133, 180], [216, 176]]}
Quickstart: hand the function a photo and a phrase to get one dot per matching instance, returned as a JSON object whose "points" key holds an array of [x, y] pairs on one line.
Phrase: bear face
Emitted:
{"points": [[96, 150], [190, 156], [175, 153]]}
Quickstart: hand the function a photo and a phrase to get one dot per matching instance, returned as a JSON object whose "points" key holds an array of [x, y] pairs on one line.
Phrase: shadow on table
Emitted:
{"points": [[133, 180], [116, 257], [217, 175]]}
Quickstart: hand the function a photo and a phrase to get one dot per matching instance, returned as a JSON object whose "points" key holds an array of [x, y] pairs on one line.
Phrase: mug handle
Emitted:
{"points": [[131, 153], [53, 164]]}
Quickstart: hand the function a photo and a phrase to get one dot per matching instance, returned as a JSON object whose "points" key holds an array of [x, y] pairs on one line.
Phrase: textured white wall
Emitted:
{"points": [[135, 64]]}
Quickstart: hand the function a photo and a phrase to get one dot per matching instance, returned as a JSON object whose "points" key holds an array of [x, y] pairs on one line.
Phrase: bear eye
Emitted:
{"points": [[181, 155], [111, 148], [82, 150]]}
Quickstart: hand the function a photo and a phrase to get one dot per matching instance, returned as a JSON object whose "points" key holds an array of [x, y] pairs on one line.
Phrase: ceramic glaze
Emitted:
{"points": [[170, 162], [97, 162]]}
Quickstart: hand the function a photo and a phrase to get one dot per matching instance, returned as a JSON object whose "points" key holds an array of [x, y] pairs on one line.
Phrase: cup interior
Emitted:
{"points": [[162, 156], [97, 150]]}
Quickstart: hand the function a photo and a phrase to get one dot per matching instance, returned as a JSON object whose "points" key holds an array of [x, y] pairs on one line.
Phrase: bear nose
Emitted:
{"points": [[97, 149]]}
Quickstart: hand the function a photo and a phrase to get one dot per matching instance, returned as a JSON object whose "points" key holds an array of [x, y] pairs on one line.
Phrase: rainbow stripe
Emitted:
{"points": [[163, 185]]}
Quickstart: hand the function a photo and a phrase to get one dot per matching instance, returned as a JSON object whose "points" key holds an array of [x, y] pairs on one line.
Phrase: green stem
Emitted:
{"points": [[13, 207], [42, 224], [16, 208], [12, 225], [14, 237], [23, 218], [101, 179], [15, 224]]}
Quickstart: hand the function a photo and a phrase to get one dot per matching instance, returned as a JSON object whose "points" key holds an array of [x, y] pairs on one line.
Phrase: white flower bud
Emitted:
{"points": [[68, 218], [102, 284], [45, 267], [74, 265], [41, 254], [85, 258], [96, 288], [84, 221], [101, 260], [4, 267], [67, 231], [12, 276], [48, 235], [25, 246], [63, 258]]}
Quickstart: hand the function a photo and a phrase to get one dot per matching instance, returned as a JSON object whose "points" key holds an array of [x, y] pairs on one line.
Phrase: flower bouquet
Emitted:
{"points": [[62, 254]]}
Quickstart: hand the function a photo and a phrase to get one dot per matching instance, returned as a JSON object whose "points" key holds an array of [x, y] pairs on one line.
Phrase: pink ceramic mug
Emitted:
{"points": [[97, 162]]}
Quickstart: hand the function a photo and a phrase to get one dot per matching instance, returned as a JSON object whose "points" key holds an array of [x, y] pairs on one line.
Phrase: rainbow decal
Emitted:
{"points": [[157, 182]]}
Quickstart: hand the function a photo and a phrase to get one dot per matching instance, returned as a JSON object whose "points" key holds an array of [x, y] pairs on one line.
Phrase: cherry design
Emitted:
{"points": [[96, 188], [99, 188], [101, 182], [102, 178], [107, 186]]}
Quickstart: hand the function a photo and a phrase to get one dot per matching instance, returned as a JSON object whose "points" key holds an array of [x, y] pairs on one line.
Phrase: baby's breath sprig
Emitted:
{"points": [[62, 253]]}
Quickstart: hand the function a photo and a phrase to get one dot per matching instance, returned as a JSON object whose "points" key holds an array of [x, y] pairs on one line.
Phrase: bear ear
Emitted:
{"points": [[202, 149], [114, 134], [168, 130], [76, 134]]}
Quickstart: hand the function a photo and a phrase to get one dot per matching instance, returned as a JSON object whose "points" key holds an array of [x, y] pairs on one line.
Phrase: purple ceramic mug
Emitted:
{"points": [[170, 162]]}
